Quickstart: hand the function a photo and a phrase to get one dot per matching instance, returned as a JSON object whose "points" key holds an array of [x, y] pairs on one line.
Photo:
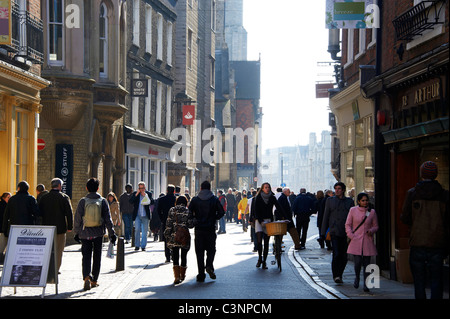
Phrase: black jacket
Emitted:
{"points": [[165, 203], [56, 210], [22, 209], [286, 213], [205, 209], [265, 211], [135, 200]]}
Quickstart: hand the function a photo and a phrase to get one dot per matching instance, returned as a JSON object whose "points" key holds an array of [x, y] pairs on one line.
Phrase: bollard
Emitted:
{"points": [[120, 255], [132, 237]]}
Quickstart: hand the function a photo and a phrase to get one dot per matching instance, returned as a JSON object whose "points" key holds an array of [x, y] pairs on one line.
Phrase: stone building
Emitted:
{"points": [[21, 54], [194, 86], [150, 79], [82, 117]]}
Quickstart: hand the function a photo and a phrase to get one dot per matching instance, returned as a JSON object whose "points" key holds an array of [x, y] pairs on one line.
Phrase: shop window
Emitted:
{"points": [[359, 134], [22, 142], [349, 136]]}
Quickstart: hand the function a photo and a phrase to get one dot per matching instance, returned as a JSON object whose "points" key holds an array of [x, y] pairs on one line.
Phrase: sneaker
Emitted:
{"points": [[338, 280], [211, 273]]}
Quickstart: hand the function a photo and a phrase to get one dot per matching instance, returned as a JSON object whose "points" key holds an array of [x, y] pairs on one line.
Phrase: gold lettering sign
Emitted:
{"points": [[423, 95]]}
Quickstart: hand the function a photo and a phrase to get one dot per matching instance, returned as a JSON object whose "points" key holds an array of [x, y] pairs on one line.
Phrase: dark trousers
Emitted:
{"points": [[91, 248], [205, 240], [339, 260], [176, 256], [302, 225], [421, 258]]}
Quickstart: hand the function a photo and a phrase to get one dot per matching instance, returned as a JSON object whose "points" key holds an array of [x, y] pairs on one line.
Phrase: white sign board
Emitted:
{"points": [[28, 255]]}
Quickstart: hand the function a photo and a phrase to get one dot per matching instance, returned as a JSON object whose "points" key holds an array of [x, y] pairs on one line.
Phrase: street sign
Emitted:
{"points": [[40, 144]]}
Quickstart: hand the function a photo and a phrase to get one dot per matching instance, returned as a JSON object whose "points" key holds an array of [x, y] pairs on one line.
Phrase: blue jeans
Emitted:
{"points": [[140, 228], [128, 225], [222, 225], [421, 258]]}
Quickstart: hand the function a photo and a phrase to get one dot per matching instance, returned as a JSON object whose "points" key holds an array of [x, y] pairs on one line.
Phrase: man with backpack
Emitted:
{"points": [[92, 217], [205, 209]]}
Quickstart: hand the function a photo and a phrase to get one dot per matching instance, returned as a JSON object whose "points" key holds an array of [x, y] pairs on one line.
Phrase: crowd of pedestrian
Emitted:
{"points": [[344, 228]]}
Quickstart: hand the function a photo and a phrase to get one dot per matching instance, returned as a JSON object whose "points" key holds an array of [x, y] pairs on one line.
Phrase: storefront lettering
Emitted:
{"points": [[424, 94]]}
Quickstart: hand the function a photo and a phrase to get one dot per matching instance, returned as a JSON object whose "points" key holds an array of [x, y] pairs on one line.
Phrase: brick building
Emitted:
{"points": [[410, 94]]}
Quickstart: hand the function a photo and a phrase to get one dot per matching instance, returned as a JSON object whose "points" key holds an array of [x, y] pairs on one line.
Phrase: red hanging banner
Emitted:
{"points": [[188, 114]]}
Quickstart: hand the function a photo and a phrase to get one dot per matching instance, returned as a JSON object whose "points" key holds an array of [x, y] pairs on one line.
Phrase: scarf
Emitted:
{"points": [[266, 197]]}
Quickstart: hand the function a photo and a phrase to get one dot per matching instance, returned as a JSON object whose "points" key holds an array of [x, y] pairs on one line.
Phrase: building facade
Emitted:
{"points": [[21, 83], [410, 92], [150, 79], [82, 118], [195, 87]]}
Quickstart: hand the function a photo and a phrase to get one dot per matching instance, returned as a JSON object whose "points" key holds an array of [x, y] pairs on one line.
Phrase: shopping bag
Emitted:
{"points": [[110, 251]]}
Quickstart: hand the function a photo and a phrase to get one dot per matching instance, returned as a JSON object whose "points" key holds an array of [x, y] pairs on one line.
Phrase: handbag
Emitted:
{"points": [[360, 224], [182, 236]]}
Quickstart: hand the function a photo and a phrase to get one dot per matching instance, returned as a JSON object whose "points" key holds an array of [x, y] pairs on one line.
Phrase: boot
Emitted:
{"points": [[87, 283], [176, 273], [182, 273]]}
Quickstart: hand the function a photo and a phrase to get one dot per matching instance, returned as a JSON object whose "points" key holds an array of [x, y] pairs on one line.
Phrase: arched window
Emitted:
{"points": [[103, 45]]}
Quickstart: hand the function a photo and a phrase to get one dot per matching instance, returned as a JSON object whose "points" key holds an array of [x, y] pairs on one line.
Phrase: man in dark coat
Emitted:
{"points": [[22, 209], [231, 204], [426, 211], [302, 208], [141, 215], [55, 209], [286, 214], [165, 203], [205, 209]]}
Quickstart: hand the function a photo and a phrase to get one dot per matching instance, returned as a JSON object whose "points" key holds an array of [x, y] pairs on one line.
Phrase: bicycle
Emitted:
{"points": [[277, 229]]}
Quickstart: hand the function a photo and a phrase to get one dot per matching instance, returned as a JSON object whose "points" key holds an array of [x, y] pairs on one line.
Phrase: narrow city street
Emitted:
{"points": [[237, 276]]}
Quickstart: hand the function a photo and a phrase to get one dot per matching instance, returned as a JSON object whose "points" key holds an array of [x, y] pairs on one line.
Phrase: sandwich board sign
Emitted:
{"points": [[28, 255]]}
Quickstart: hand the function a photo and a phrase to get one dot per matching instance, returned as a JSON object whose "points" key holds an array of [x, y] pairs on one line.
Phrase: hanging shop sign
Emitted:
{"points": [[139, 87], [5, 22], [351, 14], [188, 114]]}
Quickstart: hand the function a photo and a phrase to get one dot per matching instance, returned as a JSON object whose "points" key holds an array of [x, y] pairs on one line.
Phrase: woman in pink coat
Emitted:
{"points": [[362, 245]]}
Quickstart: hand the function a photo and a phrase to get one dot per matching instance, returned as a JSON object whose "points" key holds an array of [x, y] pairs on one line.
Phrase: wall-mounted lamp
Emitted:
{"points": [[334, 43]]}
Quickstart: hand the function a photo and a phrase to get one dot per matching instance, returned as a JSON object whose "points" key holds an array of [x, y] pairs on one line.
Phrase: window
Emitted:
{"points": [[133, 171], [349, 136], [361, 43], [168, 110], [153, 175], [189, 50], [135, 105], [21, 146], [55, 32], [103, 45], [212, 73], [159, 43], [158, 107], [148, 105], [213, 15], [350, 35], [136, 24], [148, 28], [169, 42]]}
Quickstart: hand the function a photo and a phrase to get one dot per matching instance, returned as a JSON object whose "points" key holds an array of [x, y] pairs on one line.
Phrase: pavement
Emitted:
{"points": [[313, 264]]}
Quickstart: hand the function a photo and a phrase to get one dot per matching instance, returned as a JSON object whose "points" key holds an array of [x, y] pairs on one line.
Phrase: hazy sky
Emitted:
{"points": [[291, 37]]}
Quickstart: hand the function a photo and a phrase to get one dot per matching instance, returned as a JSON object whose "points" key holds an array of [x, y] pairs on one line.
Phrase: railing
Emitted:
{"points": [[27, 37], [416, 20]]}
